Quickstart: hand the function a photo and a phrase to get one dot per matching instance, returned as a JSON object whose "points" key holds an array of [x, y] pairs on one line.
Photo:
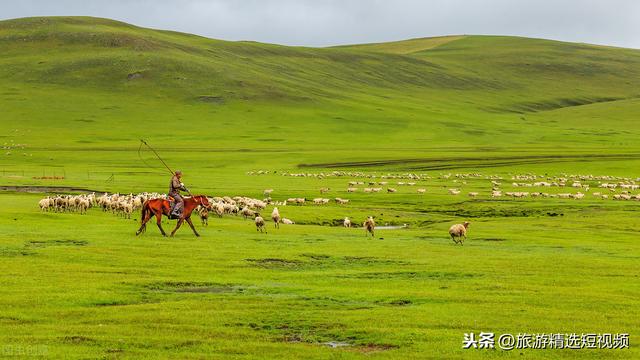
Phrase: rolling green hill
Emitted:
{"points": [[99, 84], [479, 81], [417, 92]]}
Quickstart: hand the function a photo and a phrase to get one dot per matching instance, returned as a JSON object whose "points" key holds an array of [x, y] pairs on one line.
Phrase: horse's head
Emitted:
{"points": [[202, 200]]}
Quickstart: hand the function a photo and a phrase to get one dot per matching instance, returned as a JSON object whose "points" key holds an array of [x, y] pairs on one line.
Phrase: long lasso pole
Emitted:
{"points": [[162, 161], [158, 156]]}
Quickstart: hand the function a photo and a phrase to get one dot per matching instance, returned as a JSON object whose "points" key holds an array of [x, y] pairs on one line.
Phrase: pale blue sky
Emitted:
{"points": [[333, 22]]}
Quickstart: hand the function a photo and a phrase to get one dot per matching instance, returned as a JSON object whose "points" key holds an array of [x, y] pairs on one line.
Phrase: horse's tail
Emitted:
{"points": [[143, 215]]}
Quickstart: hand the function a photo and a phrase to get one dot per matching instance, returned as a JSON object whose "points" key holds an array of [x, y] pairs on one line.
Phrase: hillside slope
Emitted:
{"points": [[76, 75], [108, 54]]}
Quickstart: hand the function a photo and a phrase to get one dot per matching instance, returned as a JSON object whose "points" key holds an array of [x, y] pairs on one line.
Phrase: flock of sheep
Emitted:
{"points": [[125, 205], [612, 187], [616, 188]]}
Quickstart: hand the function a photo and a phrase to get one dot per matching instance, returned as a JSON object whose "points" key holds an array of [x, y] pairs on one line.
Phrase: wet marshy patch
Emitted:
{"points": [[370, 260], [194, 287], [79, 339], [276, 263], [395, 302], [211, 99], [56, 242], [409, 275], [322, 333], [490, 212], [15, 320], [372, 348], [320, 261], [490, 239], [325, 302], [6, 251], [137, 300], [301, 330]]}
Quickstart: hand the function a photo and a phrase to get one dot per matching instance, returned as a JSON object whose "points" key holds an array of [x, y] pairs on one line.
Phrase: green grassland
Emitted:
{"points": [[77, 94]]}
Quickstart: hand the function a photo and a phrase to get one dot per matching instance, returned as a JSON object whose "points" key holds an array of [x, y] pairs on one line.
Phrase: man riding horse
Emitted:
{"points": [[174, 191]]}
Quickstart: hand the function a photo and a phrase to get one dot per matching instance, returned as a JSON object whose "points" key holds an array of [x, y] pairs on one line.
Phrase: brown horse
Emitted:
{"points": [[159, 207]]}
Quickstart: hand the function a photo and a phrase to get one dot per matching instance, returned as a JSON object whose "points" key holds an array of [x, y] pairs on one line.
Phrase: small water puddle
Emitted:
{"points": [[392, 227]]}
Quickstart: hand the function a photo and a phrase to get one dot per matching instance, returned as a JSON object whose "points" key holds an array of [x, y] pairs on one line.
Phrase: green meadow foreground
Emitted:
{"points": [[77, 94]]}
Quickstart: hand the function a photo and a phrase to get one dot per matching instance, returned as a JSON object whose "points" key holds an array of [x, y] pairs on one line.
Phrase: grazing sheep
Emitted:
{"points": [[473, 194], [84, 204], [45, 203], [341, 201], [219, 209], [246, 212], [369, 226], [267, 192], [391, 190], [275, 216], [459, 231], [287, 221], [324, 190], [422, 191], [260, 224], [127, 209], [352, 189], [346, 223], [454, 191]]}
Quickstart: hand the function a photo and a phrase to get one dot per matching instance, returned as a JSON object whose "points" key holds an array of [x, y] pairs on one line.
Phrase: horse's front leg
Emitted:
{"points": [[177, 226], [159, 222], [192, 227]]}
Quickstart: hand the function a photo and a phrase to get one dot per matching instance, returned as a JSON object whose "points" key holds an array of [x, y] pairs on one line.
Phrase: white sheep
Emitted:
{"points": [[260, 224], [45, 203], [287, 221], [369, 226], [246, 212], [346, 223], [459, 231], [275, 216]]}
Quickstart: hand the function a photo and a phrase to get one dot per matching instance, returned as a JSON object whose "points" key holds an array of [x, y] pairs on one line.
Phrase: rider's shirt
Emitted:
{"points": [[175, 186]]}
